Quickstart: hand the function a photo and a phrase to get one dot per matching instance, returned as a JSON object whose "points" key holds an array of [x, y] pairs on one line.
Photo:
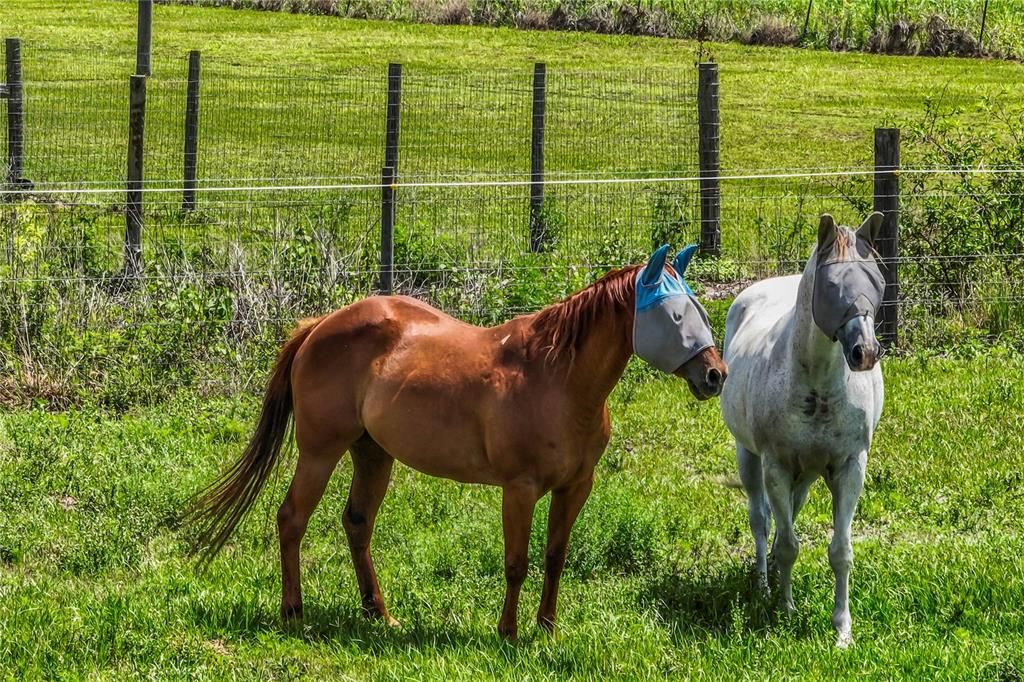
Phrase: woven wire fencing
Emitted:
{"points": [[287, 217], [960, 256], [286, 221]]}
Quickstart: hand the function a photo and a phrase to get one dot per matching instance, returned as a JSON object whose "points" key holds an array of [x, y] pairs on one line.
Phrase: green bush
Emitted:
{"points": [[960, 240]]}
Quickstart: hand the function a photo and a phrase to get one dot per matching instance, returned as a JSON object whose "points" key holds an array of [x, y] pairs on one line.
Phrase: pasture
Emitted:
{"points": [[933, 27], [119, 406], [831, 101], [658, 581]]}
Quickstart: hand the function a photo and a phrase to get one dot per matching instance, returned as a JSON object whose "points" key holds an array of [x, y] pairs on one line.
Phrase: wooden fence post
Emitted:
{"points": [[188, 201], [144, 39], [133, 208], [887, 201], [537, 226], [393, 118], [708, 152], [15, 114], [387, 230]]}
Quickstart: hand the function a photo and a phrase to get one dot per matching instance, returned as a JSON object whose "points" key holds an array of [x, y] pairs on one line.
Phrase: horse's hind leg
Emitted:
{"points": [[758, 512], [371, 473], [846, 485], [566, 504], [312, 472]]}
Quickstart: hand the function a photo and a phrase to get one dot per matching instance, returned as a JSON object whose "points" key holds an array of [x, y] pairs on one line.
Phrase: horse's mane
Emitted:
{"points": [[843, 245], [843, 248], [559, 329]]}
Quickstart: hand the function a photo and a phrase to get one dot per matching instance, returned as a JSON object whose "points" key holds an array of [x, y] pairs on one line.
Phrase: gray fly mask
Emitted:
{"points": [[847, 280], [670, 326]]}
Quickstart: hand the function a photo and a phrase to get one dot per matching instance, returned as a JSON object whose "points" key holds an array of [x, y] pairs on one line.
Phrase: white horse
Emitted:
{"points": [[801, 405]]}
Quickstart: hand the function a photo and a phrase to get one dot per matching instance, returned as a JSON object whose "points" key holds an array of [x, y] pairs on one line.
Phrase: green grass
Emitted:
{"points": [[781, 108], [93, 580], [854, 24]]}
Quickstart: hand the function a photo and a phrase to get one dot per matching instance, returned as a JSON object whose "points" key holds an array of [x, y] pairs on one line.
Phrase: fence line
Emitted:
{"points": [[462, 224], [797, 175]]}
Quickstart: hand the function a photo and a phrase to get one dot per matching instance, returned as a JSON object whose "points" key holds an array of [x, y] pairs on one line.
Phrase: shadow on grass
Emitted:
{"points": [[717, 601], [336, 622]]}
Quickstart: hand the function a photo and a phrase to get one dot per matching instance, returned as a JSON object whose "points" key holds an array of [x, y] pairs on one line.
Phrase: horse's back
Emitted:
{"points": [[757, 309], [426, 387], [753, 330]]}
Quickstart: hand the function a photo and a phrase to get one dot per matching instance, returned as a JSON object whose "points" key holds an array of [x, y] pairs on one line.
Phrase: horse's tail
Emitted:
{"points": [[216, 510], [729, 482]]}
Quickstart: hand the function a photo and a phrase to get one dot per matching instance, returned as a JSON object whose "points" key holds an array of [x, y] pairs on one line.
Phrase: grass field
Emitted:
{"points": [[93, 583], [922, 26], [781, 108], [466, 111]]}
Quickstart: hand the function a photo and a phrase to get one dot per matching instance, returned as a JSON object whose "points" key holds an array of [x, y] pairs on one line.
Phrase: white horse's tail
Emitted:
{"points": [[728, 482]]}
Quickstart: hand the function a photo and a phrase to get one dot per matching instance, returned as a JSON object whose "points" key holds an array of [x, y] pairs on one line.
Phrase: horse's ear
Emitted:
{"points": [[827, 233], [682, 261], [654, 267], [869, 230]]}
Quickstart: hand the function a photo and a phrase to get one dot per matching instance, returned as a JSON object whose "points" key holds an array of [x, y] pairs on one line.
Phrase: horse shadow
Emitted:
{"points": [[693, 603], [718, 602], [244, 620]]}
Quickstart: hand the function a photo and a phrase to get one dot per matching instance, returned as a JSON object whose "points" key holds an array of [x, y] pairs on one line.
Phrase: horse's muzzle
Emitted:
{"points": [[860, 347], [705, 374], [863, 356]]}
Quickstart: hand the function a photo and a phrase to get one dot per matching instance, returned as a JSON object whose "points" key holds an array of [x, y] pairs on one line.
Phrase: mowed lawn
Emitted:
{"points": [[781, 108], [466, 112], [93, 579]]}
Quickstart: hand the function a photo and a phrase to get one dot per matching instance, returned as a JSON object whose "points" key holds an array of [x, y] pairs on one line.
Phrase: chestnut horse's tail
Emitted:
{"points": [[216, 511]]}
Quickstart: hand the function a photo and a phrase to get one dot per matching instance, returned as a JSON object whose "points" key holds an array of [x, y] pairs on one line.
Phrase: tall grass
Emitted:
{"points": [[930, 27]]}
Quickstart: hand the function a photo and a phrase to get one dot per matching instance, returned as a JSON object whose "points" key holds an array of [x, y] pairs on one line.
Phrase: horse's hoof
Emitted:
{"points": [[291, 613], [844, 640], [378, 613], [510, 635], [546, 624], [291, 618]]}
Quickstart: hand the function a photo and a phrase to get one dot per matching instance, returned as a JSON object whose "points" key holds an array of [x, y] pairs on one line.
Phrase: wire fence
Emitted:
{"points": [[287, 219], [266, 125]]}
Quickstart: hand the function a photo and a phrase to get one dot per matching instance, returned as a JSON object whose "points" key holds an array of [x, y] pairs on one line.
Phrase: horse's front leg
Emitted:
{"points": [[517, 503], [758, 512], [566, 504], [846, 484], [778, 484]]}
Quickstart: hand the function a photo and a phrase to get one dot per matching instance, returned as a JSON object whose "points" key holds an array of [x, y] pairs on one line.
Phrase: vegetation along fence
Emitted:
{"points": [[155, 224]]}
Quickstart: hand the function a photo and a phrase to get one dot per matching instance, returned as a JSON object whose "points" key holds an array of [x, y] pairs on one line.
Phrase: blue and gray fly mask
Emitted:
{"points": [[670, 326], [848, 282]]}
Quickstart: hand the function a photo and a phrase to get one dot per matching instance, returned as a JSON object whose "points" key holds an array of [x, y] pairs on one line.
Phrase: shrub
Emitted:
{"points": [[772, 30], [896, 38], [945, 40], [960, 238]]}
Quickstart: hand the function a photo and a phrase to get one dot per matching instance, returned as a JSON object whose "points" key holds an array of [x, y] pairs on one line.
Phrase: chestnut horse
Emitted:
{"points": [[522, 405]]}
